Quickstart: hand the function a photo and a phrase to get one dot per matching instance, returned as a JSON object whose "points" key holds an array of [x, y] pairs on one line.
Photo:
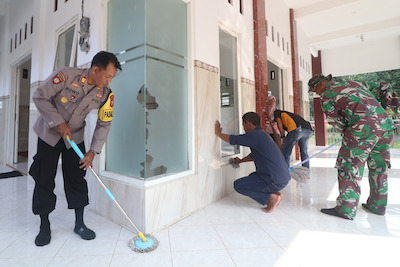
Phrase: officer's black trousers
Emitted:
{"points": [[43, 171]]}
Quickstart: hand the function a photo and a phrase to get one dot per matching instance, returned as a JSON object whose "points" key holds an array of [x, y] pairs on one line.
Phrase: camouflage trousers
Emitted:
{"points": [[350, 164]]}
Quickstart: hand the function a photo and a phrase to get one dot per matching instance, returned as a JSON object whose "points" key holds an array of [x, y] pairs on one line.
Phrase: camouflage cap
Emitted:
{"points": [[316, 79]]}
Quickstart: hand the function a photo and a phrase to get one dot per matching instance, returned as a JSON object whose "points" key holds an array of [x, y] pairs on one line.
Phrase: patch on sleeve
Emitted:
{"points": [[106, 111], [59, 78]]}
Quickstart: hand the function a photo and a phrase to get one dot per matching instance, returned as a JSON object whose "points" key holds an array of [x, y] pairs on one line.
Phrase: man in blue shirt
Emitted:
{"points": [[272, 173]]}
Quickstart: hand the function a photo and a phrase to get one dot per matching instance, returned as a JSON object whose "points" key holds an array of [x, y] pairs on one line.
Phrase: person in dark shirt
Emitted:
{"points": [[272, 173], [299, 131]]}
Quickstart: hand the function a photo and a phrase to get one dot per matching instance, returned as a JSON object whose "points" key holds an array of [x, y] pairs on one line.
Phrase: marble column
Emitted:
{"points": [[260, 59], [295, 70], [319, 116]]}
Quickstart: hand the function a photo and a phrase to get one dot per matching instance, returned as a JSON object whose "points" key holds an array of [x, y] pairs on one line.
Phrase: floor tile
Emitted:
{"points": [[209, 258], [230, 232]]}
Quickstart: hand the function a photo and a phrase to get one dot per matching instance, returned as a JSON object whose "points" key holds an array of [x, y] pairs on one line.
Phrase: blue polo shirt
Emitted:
{"points": [[265, 153]]}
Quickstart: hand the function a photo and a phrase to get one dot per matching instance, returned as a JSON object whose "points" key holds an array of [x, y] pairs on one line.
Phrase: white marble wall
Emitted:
{"points": [[155, 207]]}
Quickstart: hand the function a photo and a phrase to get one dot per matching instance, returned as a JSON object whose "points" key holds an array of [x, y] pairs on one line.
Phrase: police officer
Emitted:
{"points": [[64, 100], [367, 134]]}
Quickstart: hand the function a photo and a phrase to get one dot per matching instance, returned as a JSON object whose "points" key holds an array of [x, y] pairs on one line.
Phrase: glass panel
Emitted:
{"points": [[166, 79], [126, 27], [126, 140], [166, 116], [125, 145], [228, 90], [64, 48], [149, 133]]}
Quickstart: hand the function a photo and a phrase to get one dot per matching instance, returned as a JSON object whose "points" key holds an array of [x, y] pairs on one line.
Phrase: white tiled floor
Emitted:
{"points": [[230, 232]]}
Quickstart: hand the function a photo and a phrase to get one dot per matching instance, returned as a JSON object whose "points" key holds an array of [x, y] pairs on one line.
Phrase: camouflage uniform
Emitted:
{"points": [[367, 134]]}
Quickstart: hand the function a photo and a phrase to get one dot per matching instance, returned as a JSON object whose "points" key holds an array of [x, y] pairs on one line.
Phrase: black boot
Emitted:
{"points": [[80, 227], [333, 212], [43, 238]]}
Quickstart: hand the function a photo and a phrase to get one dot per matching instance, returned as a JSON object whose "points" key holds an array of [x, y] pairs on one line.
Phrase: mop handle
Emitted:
{"points": [[316, 154], [108, 192]]}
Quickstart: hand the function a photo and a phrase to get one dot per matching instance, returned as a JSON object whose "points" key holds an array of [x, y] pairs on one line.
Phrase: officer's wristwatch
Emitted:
{"points": [[94, 152]]}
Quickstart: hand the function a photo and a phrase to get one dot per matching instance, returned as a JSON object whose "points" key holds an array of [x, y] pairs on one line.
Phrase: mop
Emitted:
{"points": [[140, 243], [297, 172], [302, 174]]}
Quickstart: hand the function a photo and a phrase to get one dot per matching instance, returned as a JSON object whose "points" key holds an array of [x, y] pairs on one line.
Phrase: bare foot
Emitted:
{"points": [[279, 193], [273, 202]]}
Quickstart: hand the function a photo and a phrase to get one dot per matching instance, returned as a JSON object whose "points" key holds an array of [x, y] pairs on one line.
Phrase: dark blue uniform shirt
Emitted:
{"points": [[265, 153]]}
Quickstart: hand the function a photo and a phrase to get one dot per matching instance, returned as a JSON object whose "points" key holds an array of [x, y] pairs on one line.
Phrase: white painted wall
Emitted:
{"points": [[377, 55], [44, 38], [208, 16], [277, 14], [305, 64]]}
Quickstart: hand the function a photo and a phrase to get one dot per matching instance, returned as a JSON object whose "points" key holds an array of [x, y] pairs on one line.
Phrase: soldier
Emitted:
{"points": [[367, 134], [64, 100]]}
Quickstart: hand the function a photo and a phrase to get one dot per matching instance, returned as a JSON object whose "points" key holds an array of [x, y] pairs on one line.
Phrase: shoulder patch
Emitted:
{"points": [[83, 80], [106, 112], [58, 78]]}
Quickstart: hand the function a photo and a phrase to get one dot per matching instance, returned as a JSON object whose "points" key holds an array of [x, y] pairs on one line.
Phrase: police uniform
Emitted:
{"points": [[367, 134], [67, 97]]}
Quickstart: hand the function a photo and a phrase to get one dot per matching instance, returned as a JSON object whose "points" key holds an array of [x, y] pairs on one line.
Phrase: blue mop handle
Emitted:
{"points": [[316, 154], [81, 156], [76, 148]]}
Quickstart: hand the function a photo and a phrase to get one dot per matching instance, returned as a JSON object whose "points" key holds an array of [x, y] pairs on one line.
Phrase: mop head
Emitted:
{"points": [[137, 244], [300, 174], [232, 162]]}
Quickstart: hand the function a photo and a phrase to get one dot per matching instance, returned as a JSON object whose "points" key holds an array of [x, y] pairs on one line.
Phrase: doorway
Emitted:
{"points": [[21, 122], [275, 84]]}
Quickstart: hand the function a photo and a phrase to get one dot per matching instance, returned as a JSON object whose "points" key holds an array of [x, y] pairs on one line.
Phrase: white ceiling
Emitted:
{"points": [[334, 23]]}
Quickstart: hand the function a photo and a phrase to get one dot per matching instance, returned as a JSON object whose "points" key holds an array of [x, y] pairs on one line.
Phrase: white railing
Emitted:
{"points": [[334, 135]]}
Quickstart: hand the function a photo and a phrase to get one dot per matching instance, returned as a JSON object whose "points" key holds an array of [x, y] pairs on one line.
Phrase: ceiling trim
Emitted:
{"points": [[358, 30], [320, 7]]}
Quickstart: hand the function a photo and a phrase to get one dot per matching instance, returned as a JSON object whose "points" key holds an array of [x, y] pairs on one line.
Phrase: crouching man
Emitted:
{"points": [[272, 173]]}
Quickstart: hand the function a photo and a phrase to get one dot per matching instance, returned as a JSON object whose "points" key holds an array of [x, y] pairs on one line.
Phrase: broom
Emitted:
{"points": [[140, 243]]}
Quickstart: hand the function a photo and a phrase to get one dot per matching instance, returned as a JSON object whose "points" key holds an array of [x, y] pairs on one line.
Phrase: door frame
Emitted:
{"points": [[12, 134]]}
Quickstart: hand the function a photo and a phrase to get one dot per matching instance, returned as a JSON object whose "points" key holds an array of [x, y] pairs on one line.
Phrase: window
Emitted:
{"points": [[229, 110], [26, 30], [273, 34], [66, 49], [278, 39], [55, 5], [241, 6], [31, 25]]}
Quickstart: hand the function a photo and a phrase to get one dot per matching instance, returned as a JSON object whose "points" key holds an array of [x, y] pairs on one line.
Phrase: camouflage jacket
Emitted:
{"points": [[384, 93], [354, 111]]}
